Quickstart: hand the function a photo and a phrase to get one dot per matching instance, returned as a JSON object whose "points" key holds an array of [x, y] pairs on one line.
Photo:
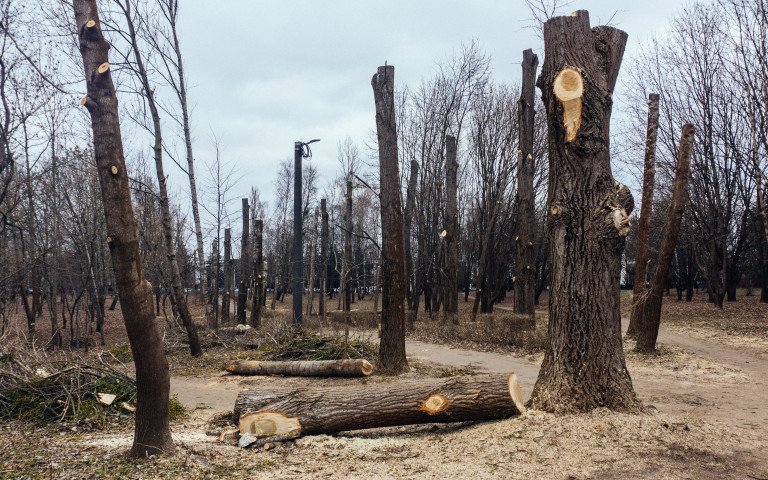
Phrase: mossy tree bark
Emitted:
{"points": [[584, 365], [392, 345], [152, 433], [648, 328], [646, 207], [525, 271]]}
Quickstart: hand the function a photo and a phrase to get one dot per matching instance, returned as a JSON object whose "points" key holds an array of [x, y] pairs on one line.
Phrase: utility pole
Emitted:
{"points": [[300, 150]]}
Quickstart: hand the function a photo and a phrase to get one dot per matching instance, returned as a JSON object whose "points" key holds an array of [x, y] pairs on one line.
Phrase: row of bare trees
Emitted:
{"points": [[709, 68]]}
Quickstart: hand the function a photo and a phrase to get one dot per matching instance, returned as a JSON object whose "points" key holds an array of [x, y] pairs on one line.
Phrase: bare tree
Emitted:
{"points": [[152, 433], [584, 365], [649, 173], [450, 233], [164, 40], [245, 265], [648, 329], [392, 346], [138, 67], [525, 202], [226, 295]]}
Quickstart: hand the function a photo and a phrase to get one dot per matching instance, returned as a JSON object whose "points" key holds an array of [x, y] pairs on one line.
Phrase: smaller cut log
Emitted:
{"points": [[310, 411], [303, 368]]}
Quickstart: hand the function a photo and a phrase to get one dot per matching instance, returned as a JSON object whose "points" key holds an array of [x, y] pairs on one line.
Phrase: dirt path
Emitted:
{"points": [[703, 395], [740, 405]]}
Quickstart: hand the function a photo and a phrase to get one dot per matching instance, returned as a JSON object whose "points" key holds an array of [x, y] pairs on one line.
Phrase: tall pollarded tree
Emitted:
{"points": [[226, 295], [584, 366], [451, 233], [648, 326], [245, 265], [525, 208], [649, 175], [152, 432], [392, 346]]}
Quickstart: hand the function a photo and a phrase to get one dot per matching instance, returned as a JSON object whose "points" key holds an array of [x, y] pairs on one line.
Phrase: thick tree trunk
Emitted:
{"points": [[525, 278], [451, 238], [245, 265], [152, 433], [304, 368], [646, 207], [258, 273], [311, 411], [392, 345], [648, 329], [225, 297], [584, 365], [323, 258]]}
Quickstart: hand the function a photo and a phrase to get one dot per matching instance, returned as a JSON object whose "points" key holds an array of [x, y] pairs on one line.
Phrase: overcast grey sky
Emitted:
{"points": [[266, 73]]}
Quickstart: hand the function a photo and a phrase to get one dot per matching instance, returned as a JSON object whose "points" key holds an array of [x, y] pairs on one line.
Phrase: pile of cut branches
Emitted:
{"points": [[307, 345], [63, 391]]}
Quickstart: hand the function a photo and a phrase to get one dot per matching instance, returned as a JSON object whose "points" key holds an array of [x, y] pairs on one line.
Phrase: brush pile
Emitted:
{"points": [[307, 345], [45, 392]]}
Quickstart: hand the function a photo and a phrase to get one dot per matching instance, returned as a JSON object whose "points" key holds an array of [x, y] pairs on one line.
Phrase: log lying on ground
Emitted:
{"points": [[309, 411], [303, 368]]}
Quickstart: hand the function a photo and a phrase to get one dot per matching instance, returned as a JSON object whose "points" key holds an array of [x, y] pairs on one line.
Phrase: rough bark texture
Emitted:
{"points": [[392, 346], [323, 257], [525, 262], [451, 238], [245, 265], [310, 411], [305, 368], [584, 365], [227, 276], [258, 273], [646, 207], [648, 329], [152, 434]]}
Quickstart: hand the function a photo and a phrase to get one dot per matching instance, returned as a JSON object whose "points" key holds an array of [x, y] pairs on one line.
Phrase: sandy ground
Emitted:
{"points": [[706, 417]]}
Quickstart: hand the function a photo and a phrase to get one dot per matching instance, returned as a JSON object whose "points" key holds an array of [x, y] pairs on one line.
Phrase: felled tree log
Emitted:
{"points": [[305, 368], [309, 411]]}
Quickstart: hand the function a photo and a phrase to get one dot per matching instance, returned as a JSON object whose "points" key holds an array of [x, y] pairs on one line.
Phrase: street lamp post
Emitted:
{"points": [[300, 150]]}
